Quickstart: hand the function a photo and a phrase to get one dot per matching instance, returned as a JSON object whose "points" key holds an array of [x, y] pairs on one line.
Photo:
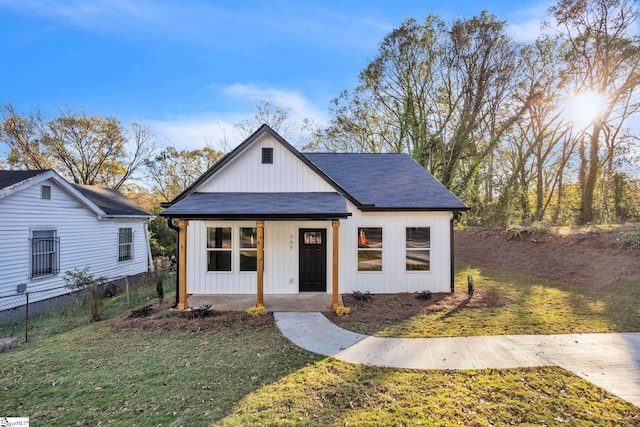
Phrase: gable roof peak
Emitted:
{"points": [[227, 158]]}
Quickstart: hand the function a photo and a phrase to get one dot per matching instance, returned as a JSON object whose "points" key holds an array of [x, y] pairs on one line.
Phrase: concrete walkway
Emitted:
{"points": [[610, 361]]}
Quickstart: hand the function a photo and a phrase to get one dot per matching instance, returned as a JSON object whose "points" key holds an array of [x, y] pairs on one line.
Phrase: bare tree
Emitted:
{"points": [[85, 149], [602, 57]]}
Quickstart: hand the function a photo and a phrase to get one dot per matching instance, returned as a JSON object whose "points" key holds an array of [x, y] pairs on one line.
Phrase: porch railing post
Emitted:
{"points": [[334, 300], [182, 265], [260, 266]]}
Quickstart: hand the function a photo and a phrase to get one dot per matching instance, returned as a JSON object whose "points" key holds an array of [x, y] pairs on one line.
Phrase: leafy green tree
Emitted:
{"points": [[173, 170], [443, 93]]}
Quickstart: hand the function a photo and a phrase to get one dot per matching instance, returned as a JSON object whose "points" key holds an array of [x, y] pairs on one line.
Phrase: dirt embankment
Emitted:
{"points": [[594, 259]]}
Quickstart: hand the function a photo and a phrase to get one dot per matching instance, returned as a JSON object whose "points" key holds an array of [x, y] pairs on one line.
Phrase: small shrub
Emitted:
{"points": [[631, 241], [256, 311], [201, 312], [78, 281], [470, 284], [423, 295], [226, 321], [343, 311], [141, 312], [362, 296]]}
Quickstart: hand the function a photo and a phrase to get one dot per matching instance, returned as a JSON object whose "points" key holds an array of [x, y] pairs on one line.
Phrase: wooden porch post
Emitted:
{"points": [[182, 264], [260, 266], [334, 301]]}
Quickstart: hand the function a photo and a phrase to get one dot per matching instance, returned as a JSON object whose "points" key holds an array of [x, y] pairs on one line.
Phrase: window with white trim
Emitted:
{"points": [[418, 249], [248, 249], [45, 253], [369, 248], [125, 244], [218, 248]]}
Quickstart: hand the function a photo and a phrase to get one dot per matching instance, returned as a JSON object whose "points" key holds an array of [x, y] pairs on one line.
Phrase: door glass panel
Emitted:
{"points": [[312, 237]]}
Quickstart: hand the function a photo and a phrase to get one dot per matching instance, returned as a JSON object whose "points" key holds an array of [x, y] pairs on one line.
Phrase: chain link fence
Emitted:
{"points": [[35, 315]]}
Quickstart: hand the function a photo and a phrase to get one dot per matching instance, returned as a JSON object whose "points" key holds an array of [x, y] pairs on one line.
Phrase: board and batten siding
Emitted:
{"points": [[281, 270], [281, 274], [394, 277], [85, 240], [247, 174]]}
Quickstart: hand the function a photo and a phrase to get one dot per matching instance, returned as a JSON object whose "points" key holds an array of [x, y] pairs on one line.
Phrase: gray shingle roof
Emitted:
{"points": [[386, 181], [111, 201], [9, 178], [260, 206]]}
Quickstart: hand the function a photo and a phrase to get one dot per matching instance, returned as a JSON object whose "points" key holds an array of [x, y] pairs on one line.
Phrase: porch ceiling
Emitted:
{"points": [[259, 206]]}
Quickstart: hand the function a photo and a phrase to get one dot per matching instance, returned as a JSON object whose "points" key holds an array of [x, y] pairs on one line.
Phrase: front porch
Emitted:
{"points": [[302, 302]]}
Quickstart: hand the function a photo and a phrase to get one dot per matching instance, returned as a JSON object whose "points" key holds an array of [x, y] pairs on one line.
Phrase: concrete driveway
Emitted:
{"points": [[610, 361]]}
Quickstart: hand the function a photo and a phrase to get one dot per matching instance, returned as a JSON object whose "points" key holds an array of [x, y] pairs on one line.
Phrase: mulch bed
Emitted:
{"points": [[402, 306], [379, 308], [161, 317]]}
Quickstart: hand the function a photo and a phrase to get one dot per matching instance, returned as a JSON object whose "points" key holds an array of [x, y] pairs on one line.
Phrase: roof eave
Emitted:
{"points": [[257, 217], [412, 209]]}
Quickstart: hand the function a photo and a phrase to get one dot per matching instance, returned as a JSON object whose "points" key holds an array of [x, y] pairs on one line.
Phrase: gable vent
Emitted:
{"points": [[45, 192], [267, 156]]}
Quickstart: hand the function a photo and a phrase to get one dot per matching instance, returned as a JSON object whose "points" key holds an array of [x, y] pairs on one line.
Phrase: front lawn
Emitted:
{"points": [[96, 375], [535, 306]]}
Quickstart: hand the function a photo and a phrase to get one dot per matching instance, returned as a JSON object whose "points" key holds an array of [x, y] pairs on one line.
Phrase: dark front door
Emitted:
{"points": [[313, 260]]}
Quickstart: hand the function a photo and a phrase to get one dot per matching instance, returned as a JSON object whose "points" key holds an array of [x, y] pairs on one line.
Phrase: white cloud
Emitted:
{"points": [[217, 128], [524, 25], [191, 132], [300, 106]]}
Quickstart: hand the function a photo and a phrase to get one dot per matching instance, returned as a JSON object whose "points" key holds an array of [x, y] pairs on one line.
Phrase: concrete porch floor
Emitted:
{"points": [[303, 302]]}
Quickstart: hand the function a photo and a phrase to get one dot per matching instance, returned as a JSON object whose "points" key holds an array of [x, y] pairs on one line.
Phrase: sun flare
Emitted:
{"points": [[585, 107]]}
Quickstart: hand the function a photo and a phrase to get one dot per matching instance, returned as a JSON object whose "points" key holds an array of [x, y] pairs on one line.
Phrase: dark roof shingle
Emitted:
{"points": [[111, 201], [260, 205], [386, 181], [9, 178]]}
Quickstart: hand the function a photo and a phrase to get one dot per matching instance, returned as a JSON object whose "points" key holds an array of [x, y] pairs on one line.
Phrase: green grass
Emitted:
{"points": [[537, 307], [335, 393], [94, 375], [55, 322]]}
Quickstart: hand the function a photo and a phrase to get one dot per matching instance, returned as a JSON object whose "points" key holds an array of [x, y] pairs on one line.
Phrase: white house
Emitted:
{"points": [[49, 226], [269, 219]]}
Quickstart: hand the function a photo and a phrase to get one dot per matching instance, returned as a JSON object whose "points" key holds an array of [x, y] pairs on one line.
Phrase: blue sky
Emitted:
{"points": [[193, 68]]}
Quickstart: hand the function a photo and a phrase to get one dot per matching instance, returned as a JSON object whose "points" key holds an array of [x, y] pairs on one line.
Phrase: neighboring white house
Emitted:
{"points": [[269, 219], [49, 226]]}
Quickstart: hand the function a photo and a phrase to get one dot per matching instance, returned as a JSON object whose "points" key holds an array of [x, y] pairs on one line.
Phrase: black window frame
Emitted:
{"points": [[267, 156]]}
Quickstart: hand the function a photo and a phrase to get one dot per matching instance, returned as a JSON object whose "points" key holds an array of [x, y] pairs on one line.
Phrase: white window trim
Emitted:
{"points": [[430, 249], [57, 258], [246, 249], [207, 249], [381, 250], [132, 257]]}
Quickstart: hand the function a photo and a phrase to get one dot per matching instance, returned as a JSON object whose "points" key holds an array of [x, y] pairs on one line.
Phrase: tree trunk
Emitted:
{"points": [[587, 214]]}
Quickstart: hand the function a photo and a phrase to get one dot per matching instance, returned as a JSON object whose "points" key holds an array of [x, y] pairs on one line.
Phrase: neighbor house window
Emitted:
{"points": [[369, 249], [219, 249], [125, 244], [248, 249], [45, 251], [418, 249], [45, 192]]}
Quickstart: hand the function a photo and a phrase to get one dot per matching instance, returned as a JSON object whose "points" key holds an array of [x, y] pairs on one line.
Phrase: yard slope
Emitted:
{"points": [[593, 259]]}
